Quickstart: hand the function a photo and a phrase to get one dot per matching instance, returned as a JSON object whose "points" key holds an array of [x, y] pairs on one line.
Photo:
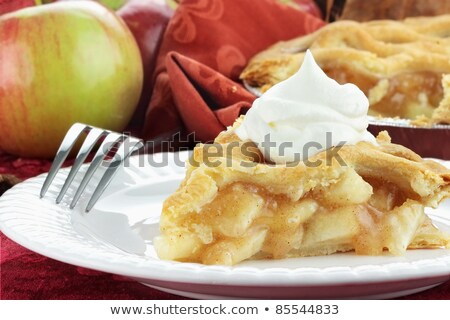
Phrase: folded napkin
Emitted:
{"points": [[13, 5], [205, 47]]}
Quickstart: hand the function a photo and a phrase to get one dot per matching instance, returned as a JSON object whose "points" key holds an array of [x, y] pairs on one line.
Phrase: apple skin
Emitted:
{"points": [[113, 4], [309, 6], [10, 6], [147, 20], [62, 63]]}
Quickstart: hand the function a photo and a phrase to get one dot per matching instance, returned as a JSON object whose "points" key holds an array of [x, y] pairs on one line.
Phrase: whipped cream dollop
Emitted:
{"points": [[306, 114]]}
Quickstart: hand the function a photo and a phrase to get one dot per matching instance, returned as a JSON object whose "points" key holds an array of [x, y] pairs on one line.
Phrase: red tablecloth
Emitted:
{"points": [[28, 275]]}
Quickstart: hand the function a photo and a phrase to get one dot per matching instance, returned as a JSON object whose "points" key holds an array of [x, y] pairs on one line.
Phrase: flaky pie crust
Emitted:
{"points": [[232, 211]]}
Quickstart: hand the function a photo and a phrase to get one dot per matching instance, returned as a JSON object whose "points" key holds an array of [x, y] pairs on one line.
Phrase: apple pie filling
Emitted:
{"points": [[407, 95], [244, 220]]}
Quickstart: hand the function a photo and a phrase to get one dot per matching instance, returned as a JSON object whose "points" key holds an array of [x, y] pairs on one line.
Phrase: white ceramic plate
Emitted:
{"points": [[116, 236]]}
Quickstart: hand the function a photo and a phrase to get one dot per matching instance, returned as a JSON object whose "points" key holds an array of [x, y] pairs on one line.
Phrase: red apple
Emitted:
{"points": [[13, 5], [62, 63], [147, 20]]}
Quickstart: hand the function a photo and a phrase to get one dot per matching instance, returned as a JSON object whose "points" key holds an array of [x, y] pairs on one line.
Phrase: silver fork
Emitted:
{"points": [[94, 135]]}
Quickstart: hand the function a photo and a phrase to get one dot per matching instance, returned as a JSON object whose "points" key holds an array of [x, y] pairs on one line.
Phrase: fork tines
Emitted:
{"points": [[111, 140]]}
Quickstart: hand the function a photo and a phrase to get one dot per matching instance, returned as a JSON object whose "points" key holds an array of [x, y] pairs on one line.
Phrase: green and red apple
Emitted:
{"points": [[63, 63]]}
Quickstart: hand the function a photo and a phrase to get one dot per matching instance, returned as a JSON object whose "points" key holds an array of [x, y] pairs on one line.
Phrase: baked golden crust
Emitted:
{"points": [[232, 208], [399, 65]]}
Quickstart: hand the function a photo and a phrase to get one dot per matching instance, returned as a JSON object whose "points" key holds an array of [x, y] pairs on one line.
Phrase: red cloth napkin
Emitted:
{"points": [[206, 46]]}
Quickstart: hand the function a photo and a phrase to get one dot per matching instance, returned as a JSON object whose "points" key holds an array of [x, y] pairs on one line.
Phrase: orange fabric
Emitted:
{"points": [[206, 45]]}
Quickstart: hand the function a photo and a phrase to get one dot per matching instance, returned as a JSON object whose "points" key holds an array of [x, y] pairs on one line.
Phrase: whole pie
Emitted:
{"points": [[234, 205], [403, 67]]}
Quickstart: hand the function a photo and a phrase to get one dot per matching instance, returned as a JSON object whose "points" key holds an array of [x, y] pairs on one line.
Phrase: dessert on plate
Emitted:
{"points": [[402, 67], [300, 175]]}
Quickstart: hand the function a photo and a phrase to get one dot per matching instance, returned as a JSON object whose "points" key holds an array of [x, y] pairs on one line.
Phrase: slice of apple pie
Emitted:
{"points": [[243, 199], [233, 206]]}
